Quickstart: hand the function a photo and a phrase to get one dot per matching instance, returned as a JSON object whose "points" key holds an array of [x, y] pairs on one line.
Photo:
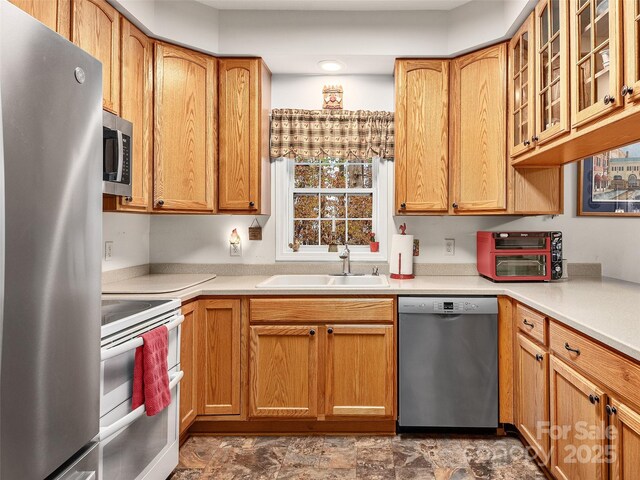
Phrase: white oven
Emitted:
{"points": [[132, 445]]}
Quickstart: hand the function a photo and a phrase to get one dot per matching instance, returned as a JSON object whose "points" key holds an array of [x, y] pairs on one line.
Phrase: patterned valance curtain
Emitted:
{"points": [[331, 133]]}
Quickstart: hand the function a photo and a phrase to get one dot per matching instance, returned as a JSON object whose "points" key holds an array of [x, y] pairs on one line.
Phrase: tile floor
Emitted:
{"points": [[401, 457]]}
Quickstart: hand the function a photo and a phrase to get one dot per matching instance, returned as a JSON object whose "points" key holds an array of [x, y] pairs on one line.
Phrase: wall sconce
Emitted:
{"points": [[235, 247]]}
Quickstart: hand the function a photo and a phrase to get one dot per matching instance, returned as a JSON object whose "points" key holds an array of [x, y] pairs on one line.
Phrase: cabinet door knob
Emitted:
{"points": [[526, 143], [574, 350], [312, 332], [455, 205], [626, 90], [535, 138], [609, 99], [252, 204], [611, 410], [539, 357], [160, 203], [594, 398], [329, 330], [528, 324], [128, 199], [403, 205]]}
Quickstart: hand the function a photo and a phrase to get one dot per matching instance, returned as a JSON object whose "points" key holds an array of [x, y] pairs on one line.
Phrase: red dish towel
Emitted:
{"points": [[150, 375]]}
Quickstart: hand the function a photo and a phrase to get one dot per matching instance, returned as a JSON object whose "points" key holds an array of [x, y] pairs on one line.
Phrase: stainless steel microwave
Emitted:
{"points": [[117, 135]]}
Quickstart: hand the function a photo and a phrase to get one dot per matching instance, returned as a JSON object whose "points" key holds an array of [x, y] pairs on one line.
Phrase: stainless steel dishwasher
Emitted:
{"points": [[448, 362]]}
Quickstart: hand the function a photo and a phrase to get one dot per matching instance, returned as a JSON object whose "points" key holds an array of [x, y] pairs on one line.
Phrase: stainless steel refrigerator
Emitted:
{"points": [[50, 237]]}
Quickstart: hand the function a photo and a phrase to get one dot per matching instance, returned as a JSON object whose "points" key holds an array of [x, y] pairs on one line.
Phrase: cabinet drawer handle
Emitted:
{"points": [[609, 99], [626, 90], [312, 332], [574, 350], [528, 324], [611, 410], [594, 398], [329, 330], [539, 357]]}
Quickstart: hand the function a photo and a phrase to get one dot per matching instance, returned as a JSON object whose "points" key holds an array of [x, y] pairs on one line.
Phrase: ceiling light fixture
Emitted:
{"points": [[331, 65]]}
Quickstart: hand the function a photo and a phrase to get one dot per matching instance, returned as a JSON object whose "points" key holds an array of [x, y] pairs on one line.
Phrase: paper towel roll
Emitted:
{"points": [[401, 259]]}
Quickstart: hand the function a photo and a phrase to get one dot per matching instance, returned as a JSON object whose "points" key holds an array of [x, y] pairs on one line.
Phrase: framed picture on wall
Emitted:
{"points": [[609, 183]]}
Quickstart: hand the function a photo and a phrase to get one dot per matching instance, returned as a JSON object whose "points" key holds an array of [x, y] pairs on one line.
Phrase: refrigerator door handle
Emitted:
{"points": [[106, 432], [107, 353]]}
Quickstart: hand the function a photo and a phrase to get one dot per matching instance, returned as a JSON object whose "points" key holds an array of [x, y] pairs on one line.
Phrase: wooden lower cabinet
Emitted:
{"points": [[578, 439], [625, 442], [359, 370], [218, 336], [532, 395], [283, 363], [188, 364]]}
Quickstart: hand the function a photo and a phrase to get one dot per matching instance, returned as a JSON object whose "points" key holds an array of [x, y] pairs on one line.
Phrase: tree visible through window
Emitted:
{"points": [[332, 196]]}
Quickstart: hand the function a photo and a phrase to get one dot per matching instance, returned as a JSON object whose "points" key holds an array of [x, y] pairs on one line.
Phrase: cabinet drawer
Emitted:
{"points": [[532, 323], [305, 310], [616, 372]]}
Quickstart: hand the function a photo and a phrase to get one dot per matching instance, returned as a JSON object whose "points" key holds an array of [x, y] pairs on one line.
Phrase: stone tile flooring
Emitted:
{"points": [[402, 457]]}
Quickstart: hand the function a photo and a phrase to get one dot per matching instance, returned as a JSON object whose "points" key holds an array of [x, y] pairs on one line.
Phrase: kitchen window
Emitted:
{"points": [[327, 200]]}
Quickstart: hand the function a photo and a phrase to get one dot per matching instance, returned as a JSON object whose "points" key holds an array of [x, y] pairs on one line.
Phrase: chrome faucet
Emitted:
{"points": [[346, 260]]}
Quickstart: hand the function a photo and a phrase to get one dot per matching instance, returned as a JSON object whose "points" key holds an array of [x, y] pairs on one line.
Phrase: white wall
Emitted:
{"points": [[130, 236]]}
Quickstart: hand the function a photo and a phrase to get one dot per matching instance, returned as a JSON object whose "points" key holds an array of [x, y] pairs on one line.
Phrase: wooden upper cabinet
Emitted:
{"points": [[55, 14], [136, 106], [551, 47], [185, 130], [596, 58], [631, 17], [189, 365], [478, 131], [359, 370], [218, 333], [538, 191], [283, 371], [577, 406], [422, 136], [625, 444], [243, 161], [95, 27], [522, 88], [532, 395]]}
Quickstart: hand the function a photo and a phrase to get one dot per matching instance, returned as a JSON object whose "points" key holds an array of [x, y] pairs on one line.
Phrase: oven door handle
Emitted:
{"points": [[129, 418], [107, 353]]}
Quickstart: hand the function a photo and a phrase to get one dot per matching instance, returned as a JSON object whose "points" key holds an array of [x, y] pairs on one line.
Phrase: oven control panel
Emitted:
{"points": [[556, 255]]}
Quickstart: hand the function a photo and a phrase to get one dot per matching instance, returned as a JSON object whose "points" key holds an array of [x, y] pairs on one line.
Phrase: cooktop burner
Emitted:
{"points": [[114, 310]]}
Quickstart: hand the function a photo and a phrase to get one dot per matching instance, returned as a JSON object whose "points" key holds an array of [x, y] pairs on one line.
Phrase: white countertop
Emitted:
{"points": [[157, 283], [602, 308]]}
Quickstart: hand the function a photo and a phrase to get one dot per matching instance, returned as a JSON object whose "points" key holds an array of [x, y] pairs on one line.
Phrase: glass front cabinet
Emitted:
{"points": [[631, 16], [521, 89], [552, 70], [596, 46]]}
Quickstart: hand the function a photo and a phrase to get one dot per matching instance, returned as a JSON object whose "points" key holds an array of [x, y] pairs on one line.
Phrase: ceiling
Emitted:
{"points": [[343, 5]]}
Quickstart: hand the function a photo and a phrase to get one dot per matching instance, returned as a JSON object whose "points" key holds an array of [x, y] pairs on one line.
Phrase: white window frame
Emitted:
{"points": [[318, 253]]}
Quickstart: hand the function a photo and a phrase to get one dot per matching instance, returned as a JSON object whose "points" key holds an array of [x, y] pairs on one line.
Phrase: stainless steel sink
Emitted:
{"points": [[325, 281]]}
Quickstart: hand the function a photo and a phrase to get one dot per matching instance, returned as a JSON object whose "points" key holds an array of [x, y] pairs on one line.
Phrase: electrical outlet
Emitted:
{"points": [[235, 250], [449, 246], [108, 251]]}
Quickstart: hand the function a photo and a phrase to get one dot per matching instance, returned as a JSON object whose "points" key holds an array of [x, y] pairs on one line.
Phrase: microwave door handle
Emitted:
{"points": [[120, 156], [129, 418], [107, 353]]}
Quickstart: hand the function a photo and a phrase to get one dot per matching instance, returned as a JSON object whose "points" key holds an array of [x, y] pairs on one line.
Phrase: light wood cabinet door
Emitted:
{"points": [[283, 371], [243, 154], [189, 365], [522, 88], [631, 19], [532, 395], [95, 27], [596, 58], [551, 49], [136, 105], [422, 136], [577, 405], [55, 14], [219, 357], [184, 130], [359, 370], [479, 130], [625, 443], [538, 191]]}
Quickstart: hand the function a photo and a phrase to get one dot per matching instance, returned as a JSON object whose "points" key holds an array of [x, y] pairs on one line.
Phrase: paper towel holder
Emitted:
{"points": [[399, 274]]}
